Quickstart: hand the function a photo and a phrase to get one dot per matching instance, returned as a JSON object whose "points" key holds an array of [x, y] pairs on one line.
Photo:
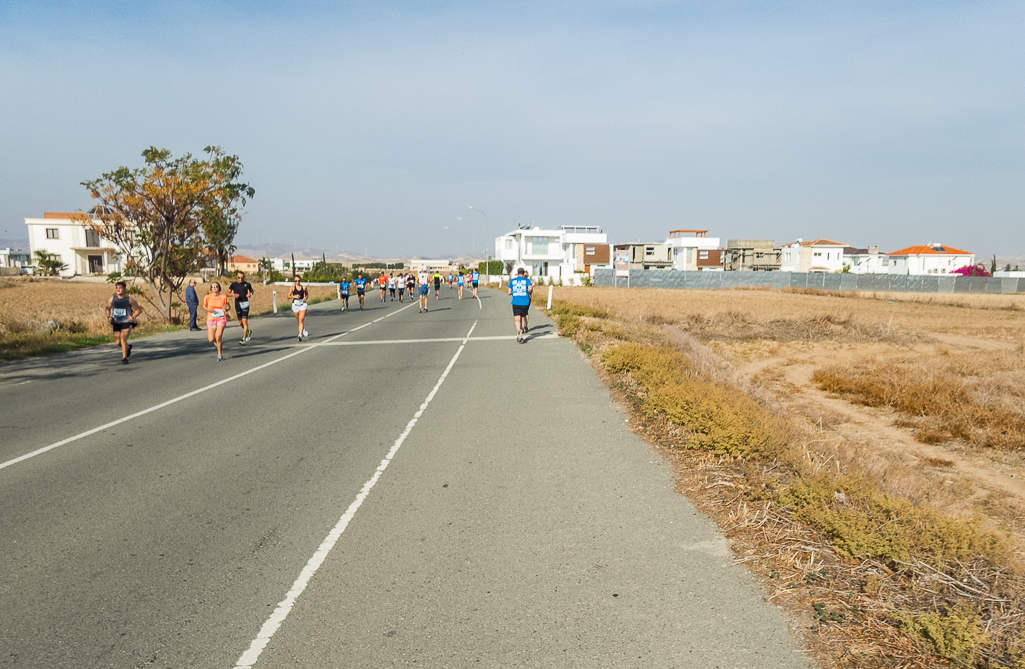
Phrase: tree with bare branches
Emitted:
{"points": [[166, 217]]}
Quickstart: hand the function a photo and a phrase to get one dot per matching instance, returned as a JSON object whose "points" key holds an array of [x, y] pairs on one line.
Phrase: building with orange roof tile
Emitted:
{"points": [[244, 263], [70, 237], [929, 259]]}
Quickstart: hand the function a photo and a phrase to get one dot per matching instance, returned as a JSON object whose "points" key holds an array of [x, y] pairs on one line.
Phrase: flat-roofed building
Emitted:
{"points": [[70, 237]]}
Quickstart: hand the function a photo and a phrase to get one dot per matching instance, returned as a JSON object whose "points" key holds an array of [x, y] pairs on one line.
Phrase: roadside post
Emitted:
{"points": [[550, 288], [275, 298]]}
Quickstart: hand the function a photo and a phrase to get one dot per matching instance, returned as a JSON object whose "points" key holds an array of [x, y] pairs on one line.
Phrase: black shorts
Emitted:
{"points": [[242, 313], [474, 284], [520, 309], [361, 292], [118, 327]]}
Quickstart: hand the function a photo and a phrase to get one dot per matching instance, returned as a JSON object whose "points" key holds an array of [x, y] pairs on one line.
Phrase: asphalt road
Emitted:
{"points": [[402, 489]]}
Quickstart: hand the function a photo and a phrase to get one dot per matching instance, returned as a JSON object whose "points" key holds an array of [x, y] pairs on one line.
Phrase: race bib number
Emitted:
{"points": [[298, 303], [243, 305], [119, 313], [217, 313]]}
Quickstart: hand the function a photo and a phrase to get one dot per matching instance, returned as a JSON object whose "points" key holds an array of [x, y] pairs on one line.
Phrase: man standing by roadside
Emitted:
{"points": [[122, 310], [192, 302], [242, 290], [521, 289]]}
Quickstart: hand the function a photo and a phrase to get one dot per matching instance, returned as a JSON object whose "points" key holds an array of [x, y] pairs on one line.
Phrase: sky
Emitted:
{"points": [[374, 126]]}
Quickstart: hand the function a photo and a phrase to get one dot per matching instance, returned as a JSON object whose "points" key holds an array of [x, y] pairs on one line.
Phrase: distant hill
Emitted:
{"points": [[14, 243]]}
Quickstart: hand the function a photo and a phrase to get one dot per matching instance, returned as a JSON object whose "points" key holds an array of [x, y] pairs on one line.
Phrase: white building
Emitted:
{"points": [[14, 258], [69, 237], [817, 255], [865, 261], [929, 259], [694, 250], [554, 253]]}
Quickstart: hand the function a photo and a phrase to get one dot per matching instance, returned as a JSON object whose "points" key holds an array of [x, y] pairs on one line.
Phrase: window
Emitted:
{"points": [[817, 254], [649, 251], [92, 239], [702, 255], [52, 233], [588, 250], [508, 245], [540, 245]]}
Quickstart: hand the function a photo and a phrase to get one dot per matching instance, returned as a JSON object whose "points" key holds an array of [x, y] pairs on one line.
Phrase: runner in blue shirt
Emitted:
{"points": [[343, 292], [361, 288], [459, 284], [521, 289], [475, 278]]}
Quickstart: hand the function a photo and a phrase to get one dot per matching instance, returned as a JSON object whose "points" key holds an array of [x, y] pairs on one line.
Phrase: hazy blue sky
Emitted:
{"points": [[374, 125]]}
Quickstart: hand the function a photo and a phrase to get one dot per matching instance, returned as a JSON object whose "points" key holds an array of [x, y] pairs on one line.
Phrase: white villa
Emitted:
{"points": [[554, 253], [694, 250], [817, 255], [865, 261], [68, 236], [929, 259]]}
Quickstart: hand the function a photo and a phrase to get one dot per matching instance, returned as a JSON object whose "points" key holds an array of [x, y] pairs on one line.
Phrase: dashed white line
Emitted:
{"points": [[249, 658]]}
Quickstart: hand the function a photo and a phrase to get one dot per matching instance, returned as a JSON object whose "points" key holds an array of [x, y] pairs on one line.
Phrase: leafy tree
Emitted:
{"points": [[496, 267], [166, 216], [48, 263], [325, 271]]}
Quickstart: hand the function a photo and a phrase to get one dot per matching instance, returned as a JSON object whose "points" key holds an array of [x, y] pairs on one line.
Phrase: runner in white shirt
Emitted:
{"points": [[391, 286], [423, 279]]}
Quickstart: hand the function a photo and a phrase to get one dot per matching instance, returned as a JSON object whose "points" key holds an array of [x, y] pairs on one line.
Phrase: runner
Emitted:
{"points": [[475, 278], [410, 285], [423, 279], [361, 288], [391, 286], [521, 289], [437, 285], [459, 284], [216, 306], [400, 285], [299, 294], [122, 310], [450, 277], [343, 292], [242, 291], [382, 281]]}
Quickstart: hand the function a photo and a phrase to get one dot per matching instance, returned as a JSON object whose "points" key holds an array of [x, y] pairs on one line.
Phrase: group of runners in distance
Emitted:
{"points": [[123, 309]]}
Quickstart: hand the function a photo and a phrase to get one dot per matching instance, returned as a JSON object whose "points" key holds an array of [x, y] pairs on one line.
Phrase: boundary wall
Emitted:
{"points": [[661, 278]]}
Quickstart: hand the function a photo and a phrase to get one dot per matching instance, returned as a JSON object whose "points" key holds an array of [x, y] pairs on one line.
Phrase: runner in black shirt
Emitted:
{"points": [[242, 291]]}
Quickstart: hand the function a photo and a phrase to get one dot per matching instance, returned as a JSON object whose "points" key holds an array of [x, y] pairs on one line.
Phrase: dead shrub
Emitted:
{"points": [[938, 404]]}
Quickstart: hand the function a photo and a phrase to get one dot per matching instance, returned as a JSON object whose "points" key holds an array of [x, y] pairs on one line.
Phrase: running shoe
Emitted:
{"points": [[242, 342], [305, 333], [124, 361], [220, 358], [299, 338], [421, 310], [519, 336]]}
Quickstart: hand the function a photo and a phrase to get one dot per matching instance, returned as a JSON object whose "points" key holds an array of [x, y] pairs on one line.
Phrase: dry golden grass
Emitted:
{"points": [[41, 316], [35, 301], [897, 557]]}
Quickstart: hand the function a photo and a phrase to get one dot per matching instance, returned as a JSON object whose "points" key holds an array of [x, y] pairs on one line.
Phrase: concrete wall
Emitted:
{"points": [[777, 280]]}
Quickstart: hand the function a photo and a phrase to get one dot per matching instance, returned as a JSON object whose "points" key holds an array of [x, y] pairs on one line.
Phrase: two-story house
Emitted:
{"points": [[553, 253], [71, 239], [816, 255], [694, 250], [929, 259]]}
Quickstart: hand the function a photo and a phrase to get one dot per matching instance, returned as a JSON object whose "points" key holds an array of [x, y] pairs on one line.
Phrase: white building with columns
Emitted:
{"points": [[69, 237], [553, 253]]}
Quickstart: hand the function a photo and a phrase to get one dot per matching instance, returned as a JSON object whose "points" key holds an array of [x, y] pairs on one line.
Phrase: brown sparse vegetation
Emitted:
{"points": [[897, 553]]}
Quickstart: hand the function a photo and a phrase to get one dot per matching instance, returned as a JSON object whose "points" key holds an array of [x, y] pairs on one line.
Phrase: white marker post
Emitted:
{"points": [[550, 288], [275, 294]]}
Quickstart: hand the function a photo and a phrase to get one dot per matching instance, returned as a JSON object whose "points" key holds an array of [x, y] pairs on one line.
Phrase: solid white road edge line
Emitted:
{"points": [[249, 658], [64, 442]]}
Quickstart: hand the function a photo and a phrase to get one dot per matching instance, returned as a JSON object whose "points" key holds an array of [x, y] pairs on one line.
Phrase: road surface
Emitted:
{"points": [[401, 489]]}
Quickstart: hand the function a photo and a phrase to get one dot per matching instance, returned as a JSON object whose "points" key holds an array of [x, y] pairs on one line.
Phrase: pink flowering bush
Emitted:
{"points": [[972, 270]]}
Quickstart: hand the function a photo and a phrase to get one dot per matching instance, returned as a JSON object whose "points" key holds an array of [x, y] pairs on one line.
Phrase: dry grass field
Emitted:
{"points": [[41, 315], [865, 453]]}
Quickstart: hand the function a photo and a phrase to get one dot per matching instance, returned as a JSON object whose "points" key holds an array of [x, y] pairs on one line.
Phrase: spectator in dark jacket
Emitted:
{"points": [[192, 302]]}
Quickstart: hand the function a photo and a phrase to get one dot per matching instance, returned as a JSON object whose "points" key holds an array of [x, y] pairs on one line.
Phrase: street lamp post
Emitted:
{"points": [[487, 228]]}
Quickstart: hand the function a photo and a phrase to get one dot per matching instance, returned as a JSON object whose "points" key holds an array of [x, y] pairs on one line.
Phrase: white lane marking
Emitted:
{"points": [[249, 658], [436, 340], [193, 393]]}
